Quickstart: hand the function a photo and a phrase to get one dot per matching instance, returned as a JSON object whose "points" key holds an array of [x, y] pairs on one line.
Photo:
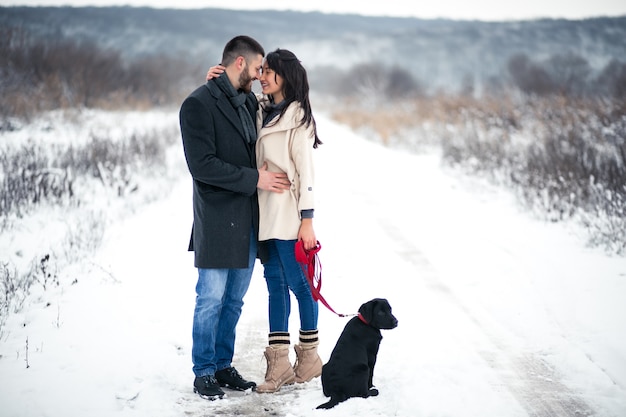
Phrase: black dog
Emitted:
{"points": [[350, 369]]}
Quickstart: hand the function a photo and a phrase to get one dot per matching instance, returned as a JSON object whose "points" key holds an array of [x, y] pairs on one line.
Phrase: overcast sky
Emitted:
{"points": [[454, 9]]}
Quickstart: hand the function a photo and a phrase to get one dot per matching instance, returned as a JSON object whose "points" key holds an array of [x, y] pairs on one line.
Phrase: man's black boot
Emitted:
{"points": [[207, 387], [230, 378]]}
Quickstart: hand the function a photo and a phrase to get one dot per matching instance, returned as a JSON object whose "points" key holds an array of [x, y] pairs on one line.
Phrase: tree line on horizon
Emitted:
{"points": [[40, 74]]}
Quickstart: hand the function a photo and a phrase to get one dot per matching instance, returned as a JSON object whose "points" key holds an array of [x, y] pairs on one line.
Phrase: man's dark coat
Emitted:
{"points": [[223, 167]]}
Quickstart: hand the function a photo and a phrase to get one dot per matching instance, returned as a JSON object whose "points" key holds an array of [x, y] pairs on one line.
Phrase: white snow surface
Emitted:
{"points": [[500, 314]]}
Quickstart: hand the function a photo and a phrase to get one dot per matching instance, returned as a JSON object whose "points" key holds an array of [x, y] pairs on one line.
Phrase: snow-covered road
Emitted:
{"points": [[499, 314]]}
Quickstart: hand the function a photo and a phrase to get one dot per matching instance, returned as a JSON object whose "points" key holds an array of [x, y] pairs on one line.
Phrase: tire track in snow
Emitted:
{"points": [[530, 379]]}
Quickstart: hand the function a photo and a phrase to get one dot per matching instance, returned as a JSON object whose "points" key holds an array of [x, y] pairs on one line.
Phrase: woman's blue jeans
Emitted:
{"points": [[282, 274], [219, 299]]}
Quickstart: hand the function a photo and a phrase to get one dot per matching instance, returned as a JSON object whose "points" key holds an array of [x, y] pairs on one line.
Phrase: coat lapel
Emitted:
{"points": [[223, 104], [288, 121]]}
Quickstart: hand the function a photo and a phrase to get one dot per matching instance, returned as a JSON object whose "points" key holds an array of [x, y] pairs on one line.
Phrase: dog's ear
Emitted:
{"points": [[367, 310]]}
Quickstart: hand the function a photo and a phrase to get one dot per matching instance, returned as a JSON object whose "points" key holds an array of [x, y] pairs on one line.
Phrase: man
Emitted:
{"points": [[219, 134]]}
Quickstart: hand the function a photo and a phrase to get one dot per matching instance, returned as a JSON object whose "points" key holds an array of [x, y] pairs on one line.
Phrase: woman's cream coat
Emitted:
{"points": [[285, 147]]}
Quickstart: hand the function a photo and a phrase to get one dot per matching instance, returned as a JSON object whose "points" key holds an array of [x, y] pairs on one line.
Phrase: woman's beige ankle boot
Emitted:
{"points": [[279, 370], [308, 363]]}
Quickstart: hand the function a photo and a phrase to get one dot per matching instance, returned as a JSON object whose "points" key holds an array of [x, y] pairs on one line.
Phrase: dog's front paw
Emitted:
{"points": [[373, 392]]}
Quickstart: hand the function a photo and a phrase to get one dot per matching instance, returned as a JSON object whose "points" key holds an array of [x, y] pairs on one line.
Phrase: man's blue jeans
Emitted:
{"points": [[219, 299], [283, 273]]}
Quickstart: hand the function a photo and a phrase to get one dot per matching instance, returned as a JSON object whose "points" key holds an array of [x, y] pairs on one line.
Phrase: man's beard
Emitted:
{"points": [[245, 80]]}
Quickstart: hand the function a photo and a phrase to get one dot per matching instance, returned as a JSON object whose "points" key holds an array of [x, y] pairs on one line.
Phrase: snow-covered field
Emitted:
{"points": [[499, 314]]}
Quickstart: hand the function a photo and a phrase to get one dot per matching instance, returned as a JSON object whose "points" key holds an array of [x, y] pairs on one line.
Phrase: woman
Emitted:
{"points": [[287, 134]]}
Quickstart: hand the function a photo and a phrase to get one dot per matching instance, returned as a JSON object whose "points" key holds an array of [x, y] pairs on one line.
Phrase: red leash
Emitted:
{"points": [[312, 268]]}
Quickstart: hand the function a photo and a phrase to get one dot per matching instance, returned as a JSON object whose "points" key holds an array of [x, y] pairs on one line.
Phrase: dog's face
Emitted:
{"points": [[377, 313]]}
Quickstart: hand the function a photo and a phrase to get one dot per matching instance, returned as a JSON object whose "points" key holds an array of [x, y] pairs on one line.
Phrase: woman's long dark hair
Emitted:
{"points": [[295, 85]]}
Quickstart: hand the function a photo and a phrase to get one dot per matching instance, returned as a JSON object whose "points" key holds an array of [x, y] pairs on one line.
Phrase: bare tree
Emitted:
{"points": [[569, 73], [612, 79], [529, 77]]}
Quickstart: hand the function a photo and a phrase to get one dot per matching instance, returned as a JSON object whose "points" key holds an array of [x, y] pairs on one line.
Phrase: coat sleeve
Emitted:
{"points": [[198, 132], [302, 156]]}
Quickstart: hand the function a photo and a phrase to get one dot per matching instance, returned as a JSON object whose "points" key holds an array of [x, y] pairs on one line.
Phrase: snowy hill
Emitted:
{"points": [[440, 53], [499, 314]]}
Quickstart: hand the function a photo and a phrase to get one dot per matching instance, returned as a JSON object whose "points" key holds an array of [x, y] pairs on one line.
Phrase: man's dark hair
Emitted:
{"points": [[241, 46]]}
